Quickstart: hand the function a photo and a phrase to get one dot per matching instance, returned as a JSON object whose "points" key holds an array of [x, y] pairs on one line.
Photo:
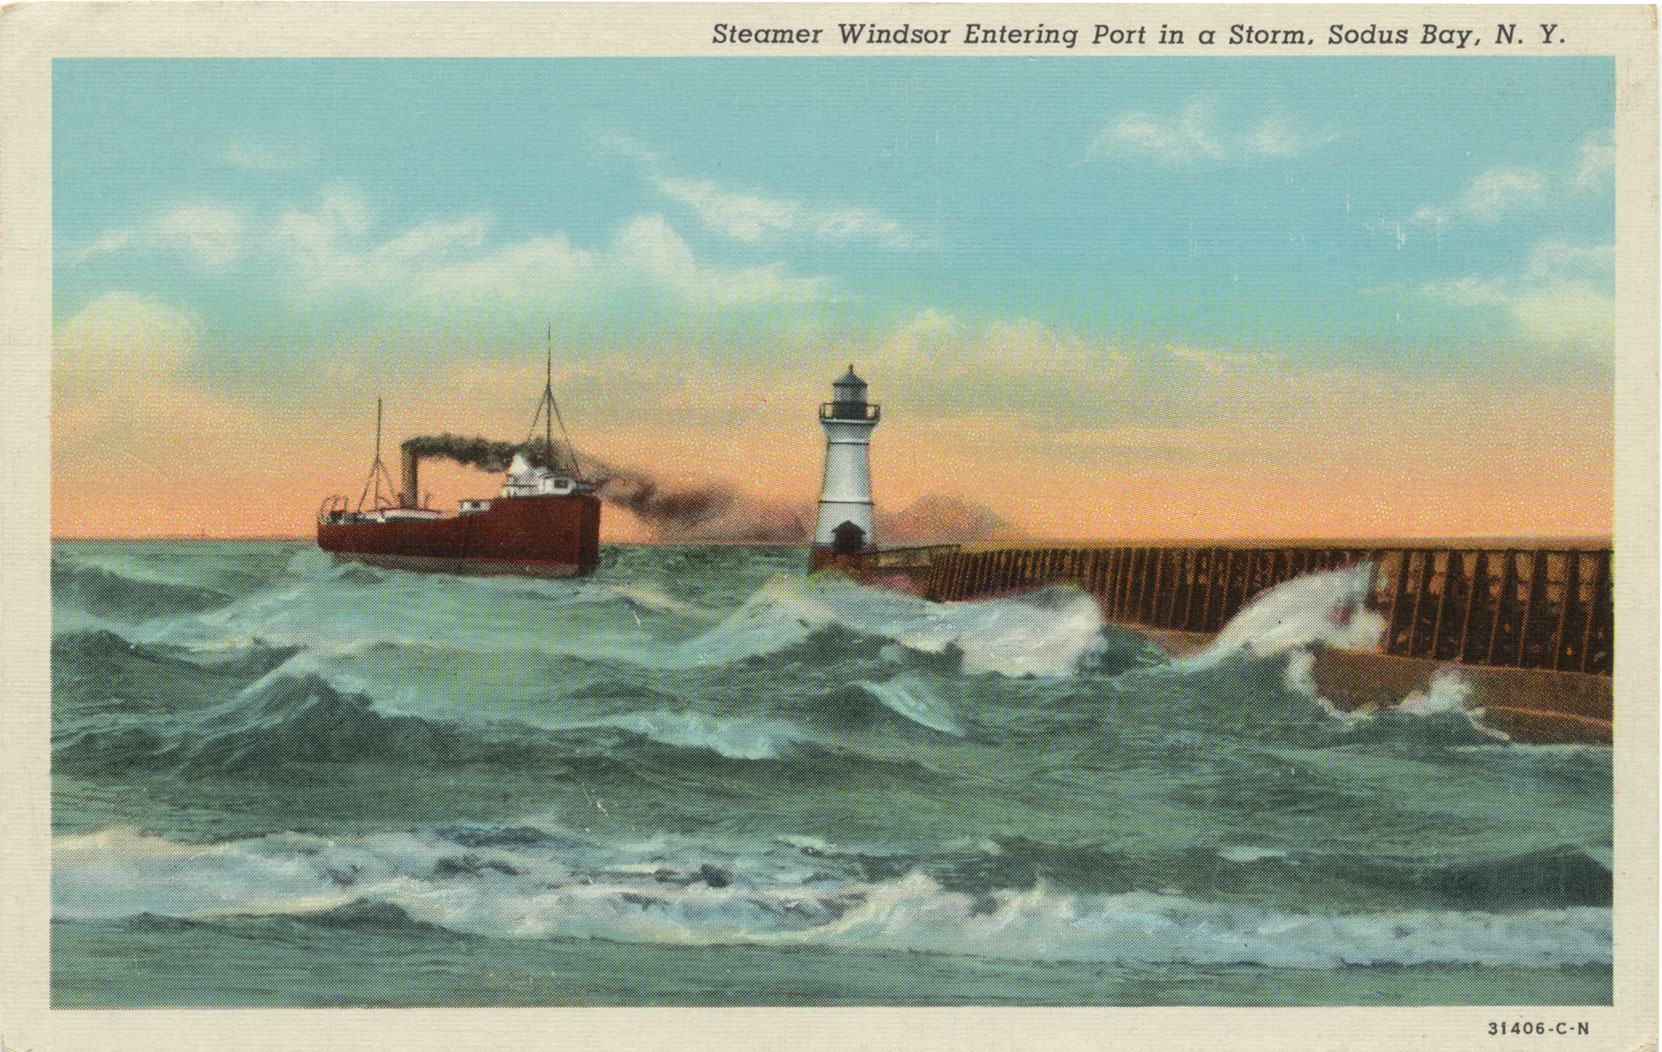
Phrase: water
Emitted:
{"points": [[700, 778]]}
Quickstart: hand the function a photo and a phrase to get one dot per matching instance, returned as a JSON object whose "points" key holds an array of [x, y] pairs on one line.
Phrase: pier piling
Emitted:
{"points": [[1512, 605]]}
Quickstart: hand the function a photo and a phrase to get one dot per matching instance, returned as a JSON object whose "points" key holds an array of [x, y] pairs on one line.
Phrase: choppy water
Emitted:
{"points": [[699, 777]]}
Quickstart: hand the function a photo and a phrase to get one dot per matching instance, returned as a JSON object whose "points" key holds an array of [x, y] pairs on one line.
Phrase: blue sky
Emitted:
{"points": [[1103, 243]]}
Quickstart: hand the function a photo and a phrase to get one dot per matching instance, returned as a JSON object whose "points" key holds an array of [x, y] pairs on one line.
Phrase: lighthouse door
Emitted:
{"points": [[848, 539]]}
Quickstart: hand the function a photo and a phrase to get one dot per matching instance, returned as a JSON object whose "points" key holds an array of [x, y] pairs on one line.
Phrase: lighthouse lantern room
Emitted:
{"points": [[844, 526]]}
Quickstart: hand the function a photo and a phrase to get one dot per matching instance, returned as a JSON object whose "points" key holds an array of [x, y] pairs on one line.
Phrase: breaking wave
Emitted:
{"points": [[1326, 609], [701, 746], [908, 695], [1044, 633], [121, 597], [532, 883]]}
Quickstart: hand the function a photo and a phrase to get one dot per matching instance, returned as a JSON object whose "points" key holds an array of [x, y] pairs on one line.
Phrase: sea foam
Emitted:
{"points": [[654, 891]]}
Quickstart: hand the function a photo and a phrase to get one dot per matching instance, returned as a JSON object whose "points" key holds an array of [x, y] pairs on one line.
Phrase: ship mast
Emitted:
{"points": [[548, 393], [549, 411], [377, 472]]}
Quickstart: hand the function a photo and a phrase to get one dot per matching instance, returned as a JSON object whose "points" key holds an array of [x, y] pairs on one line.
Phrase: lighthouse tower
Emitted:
{"points": [[844, 526]]}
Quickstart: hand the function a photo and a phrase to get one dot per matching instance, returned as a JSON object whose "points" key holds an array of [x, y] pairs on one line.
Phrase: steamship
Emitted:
{"points": [[544, 522]]}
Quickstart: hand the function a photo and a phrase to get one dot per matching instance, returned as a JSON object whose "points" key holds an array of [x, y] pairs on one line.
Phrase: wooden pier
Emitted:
{"points": [[1507, 604]]}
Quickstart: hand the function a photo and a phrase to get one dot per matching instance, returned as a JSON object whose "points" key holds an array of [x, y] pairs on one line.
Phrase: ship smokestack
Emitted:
{"points": [[411, 497]]}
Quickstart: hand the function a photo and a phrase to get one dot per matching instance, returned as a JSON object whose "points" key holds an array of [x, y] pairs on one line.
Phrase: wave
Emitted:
{"points": [[662, 890], [293, 714], [909, 696], [296, 713], [1326, 609], [1044, 633], [118, 596], [1439, 715], [95, 669], [736, 739], [316, 565], [346, 609]]}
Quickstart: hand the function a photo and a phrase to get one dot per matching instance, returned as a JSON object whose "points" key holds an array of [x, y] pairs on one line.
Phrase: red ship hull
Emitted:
{"points": [[553, 535]]}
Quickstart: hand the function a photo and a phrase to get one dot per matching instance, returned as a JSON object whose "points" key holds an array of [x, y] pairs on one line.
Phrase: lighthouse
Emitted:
{"points": [[844, 526]]}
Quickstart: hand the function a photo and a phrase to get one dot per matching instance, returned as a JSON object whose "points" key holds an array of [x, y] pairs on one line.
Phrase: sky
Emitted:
{"points": [[1105, 298]]}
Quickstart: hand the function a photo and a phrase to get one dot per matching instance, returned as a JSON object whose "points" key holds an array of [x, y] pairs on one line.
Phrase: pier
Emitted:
{"points": [[1509, 604], [1540, 610]]}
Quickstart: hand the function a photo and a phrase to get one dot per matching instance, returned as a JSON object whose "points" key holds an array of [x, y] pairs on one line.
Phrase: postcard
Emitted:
{"points": [[683, 526]]}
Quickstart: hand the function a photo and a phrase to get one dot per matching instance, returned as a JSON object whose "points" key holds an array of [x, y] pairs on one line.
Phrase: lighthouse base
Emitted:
{"points": [[824, 556]]}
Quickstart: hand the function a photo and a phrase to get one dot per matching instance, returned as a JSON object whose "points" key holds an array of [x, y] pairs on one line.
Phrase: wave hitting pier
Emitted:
{"points": [[1528, 623]]}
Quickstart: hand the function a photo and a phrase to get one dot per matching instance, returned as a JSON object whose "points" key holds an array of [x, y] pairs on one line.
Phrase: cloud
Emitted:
{"points": [[268, 155], [118, 342], [751, 216], [1597, 165], [1462, 292], [437, 238], [107, 243], [1500, 192], [514, 271], [648, 247], [442, 264], [1562, 297], [315, 237], [1196, 134], [212, 233], [1488, 198], [119, 367], [1014, 366], [744, 216], [1225, 362], [1572, 315], [1559, 260]]}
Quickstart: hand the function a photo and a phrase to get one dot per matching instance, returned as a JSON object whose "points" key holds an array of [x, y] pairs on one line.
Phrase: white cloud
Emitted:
{"points": [[511, 272], [1561, 260], [213, 233], [266, 155], [649, 247], [118, 340], [1598, 159], [1196, 134], [443, 264], [1488, 198], [1569, 315], [314, 242], [107, 243], [113, 360], [1466, 292], [744, 216], [1562, 297], [1495, 194], [1216, 362], [851, 224], [437, 238], [1007, 363], [750, 216]]}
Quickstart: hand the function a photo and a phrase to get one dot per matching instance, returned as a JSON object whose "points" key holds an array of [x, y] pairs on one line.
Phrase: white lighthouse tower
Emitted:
{"points": [[844, 526]]}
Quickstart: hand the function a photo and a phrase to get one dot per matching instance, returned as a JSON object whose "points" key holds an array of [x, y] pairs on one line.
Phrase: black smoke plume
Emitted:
{"points": [[676, 509], [707, 512], [704, 512], [486, 455]]}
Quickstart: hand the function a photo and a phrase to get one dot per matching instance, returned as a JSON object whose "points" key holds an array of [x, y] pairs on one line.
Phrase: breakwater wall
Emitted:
{"points": [[1530, 605]]}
